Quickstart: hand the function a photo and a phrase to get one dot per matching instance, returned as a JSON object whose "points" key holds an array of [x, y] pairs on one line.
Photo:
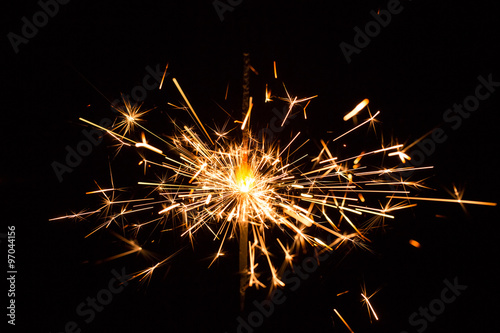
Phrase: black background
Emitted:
{"points": [[424, 61]]}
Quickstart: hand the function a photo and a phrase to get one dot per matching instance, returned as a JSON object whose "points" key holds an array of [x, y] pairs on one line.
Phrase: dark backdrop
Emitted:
{"points": [[428, 58]]}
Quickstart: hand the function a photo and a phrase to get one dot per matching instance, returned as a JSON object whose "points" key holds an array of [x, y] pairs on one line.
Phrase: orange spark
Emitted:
{"points": [[356, 110], [414, 243]]}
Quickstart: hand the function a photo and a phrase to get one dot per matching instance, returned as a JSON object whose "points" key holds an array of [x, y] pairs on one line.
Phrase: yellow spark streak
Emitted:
{"points": [[305, 114], [275, 73], [320, 242], [169, 208], [353, 226], [385, 209], [198, 172], [460, 201], [276, 280], [148, 272], [288, 257], [253, 70], [106, 130], [345, 323], [301, 209], [307, 218], [398, 208], [329, 220], [147, 145], [402, 156], [325, 148], [355, 128], [358, 108], [129, 201], [419, 139], [369, 304], [191, 108], [74, 215], [342, 293], [380, 172], [101, 191], [126, 253], [163, 77], [208, 199], [358, 158], [320, 202], [248, 113], [356, 161], [298, 217], [219, 252], [292, 102], [253, 278], [374, 213], [288, 145], [231, 214], [268, 95]]}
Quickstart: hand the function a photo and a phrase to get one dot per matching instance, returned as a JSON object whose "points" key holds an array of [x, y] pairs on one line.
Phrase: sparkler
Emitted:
{"points": [[258, 192]]}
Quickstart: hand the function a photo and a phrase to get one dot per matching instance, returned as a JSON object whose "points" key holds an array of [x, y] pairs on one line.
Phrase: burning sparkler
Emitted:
{"points": [[257, 191]]}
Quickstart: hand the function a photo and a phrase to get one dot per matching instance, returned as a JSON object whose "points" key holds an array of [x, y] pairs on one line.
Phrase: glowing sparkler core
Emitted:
{"points": [[244, 178]]}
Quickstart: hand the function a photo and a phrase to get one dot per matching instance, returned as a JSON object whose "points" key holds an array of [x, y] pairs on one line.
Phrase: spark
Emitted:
{"points": [[72, 216], [163, 77], [356, 110], [345, 323], [370, 305], [414, 243], [460, 201], [146, 145], [342, 293], [148, 272], [253, 70], [130, 116], [268, 95], [305, 114], [366, 300], [402, 156], [248, 114], [191, 108], [169, 208], [292, 102], [355, 128]]}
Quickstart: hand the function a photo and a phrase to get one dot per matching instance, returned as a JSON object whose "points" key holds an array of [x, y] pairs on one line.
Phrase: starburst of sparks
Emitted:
{"points": [[285, 199]]}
